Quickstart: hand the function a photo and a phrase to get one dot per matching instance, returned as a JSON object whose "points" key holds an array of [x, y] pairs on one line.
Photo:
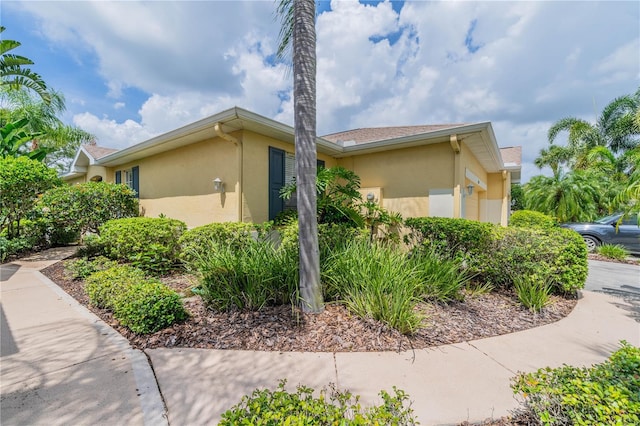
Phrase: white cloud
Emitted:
{"points": [[521, 65]]}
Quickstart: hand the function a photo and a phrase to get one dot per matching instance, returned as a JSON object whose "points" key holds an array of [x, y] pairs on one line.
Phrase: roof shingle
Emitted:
{"points": [[374, 134]]}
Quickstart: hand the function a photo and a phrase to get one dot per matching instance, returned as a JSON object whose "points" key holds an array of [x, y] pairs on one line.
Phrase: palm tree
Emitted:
{"points": [[554, 157], [616, 128], [571, 197], [60, 141], [298, 24], [14, 75]]}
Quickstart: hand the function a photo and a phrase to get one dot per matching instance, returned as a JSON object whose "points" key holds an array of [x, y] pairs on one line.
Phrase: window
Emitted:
{"points": [[130, 177], [282, 171]]}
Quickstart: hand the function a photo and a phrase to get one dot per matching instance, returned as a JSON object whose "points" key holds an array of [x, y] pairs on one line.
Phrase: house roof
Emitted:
{"points": [[512, 158], [97, 152], [372, 134], [479, 137]]}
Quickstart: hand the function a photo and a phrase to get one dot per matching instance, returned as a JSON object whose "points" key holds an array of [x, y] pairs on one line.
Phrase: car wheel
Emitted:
{"points": [[591, 242]]}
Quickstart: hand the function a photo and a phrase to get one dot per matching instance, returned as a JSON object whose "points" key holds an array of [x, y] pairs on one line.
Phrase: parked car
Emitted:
{"points": [[610, 230]]}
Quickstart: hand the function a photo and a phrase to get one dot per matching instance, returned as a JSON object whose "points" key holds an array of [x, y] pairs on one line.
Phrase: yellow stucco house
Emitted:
{"points": [[231, 166]]}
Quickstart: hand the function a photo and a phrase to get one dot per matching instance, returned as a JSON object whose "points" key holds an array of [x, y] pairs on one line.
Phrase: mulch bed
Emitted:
{"points": [[284, 328]]}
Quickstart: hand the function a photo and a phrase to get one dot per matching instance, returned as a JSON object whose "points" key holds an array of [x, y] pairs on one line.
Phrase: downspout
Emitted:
{"points": [[227, 137], [457, 196]]}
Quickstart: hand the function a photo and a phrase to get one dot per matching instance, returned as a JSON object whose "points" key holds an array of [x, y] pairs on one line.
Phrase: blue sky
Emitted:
{"points": [[132, 70]]}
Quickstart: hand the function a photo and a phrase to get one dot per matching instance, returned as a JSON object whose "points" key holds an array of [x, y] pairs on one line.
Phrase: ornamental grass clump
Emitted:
{"points": [[441, 279], [375, 281], [533, 292], [612, 251], [258, 275]]}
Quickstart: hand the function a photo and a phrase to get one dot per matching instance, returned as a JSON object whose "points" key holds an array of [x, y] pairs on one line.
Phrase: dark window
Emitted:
{"points": [[282, 171]]}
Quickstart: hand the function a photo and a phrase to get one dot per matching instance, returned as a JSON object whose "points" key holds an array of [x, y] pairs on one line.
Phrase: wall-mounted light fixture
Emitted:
{"points": [[470, 189], [371, 196], [218, 185]]}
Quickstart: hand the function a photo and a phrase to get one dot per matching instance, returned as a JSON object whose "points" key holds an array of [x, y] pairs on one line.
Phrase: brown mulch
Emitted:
{"points": [[284, 328]]}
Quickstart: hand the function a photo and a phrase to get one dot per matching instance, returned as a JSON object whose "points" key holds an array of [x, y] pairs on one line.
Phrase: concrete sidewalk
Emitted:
{"points": [[448, 384], [60, 364]]}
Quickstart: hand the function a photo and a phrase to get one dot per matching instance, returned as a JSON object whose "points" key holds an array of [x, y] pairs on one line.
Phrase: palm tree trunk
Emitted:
{"points": [[304, 95]]}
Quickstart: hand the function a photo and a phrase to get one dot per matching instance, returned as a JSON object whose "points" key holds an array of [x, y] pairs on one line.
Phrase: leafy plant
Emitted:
{"points": [[532, 291], [148, 243], [103, 287], [606, 393], [148, 306], [267, 407], [612, 251]]}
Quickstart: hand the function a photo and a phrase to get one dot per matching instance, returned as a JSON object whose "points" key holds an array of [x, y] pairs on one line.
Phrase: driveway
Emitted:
{"points": [[616, 279]]}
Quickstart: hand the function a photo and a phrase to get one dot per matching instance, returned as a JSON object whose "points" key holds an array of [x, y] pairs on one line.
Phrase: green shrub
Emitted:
{"points": [[13, 246], [530, 219], [496, 255], [374, 281], [266, 407], [196, 242], [148, 306], [260, 274], [612, 251], [449, 237], [533, 293], [557, 253], [72, 210], [148, 243], [81, 268], [441, 279], [331, 237], [604, 394], [104, 287]]}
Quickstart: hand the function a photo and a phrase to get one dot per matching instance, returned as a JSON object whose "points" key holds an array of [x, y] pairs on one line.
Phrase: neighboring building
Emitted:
{"points": [[413, 170]]}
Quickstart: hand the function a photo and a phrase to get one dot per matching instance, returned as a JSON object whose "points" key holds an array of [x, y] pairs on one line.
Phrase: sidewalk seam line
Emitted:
{"points": [[492, 358]]}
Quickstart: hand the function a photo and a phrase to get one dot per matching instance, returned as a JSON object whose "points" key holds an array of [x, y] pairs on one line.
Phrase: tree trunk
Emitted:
{"points": [[304, 100]]}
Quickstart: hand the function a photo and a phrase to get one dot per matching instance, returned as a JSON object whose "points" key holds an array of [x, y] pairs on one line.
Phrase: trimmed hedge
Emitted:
{"points": [[103, 287], [531, 219], [148, 306], [450, 237], [142, 304], [148, 243], [197, 242], [499, 255]]}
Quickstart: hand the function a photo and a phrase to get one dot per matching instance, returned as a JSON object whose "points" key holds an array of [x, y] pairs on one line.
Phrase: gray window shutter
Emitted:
{"points": [[135, 171], [276, 181], [118, 176]]}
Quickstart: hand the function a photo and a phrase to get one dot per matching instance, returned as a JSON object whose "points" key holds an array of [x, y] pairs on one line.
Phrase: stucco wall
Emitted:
{"points": [[179, 183], [405, 175]]}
